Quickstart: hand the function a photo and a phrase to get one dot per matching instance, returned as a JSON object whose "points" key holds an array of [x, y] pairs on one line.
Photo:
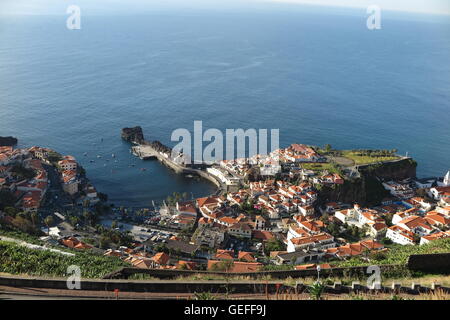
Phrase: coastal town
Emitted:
{"points": [[277, 211]]}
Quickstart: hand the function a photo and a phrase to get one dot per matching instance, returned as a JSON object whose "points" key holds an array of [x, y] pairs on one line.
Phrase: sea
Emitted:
{"points": [[318, 75]]}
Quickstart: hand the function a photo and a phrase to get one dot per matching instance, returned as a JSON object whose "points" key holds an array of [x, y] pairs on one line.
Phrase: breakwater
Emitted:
{"points": [[146, 150]]}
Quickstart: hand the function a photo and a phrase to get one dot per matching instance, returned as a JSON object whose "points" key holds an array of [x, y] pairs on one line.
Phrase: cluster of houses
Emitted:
{"points": [[275, 198], [288, 212], [28, 191], [414, 219], [272, 163], [264, 211], [70, 175]]}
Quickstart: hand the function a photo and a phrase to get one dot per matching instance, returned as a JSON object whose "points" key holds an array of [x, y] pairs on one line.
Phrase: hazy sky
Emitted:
{"points": [[426, 6], [95, 6]]}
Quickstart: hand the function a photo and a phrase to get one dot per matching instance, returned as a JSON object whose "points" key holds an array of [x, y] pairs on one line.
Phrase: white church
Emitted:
{"points": [[445, 182]]}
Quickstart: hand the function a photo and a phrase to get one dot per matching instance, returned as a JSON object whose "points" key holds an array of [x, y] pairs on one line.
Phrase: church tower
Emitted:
{"points": [[447, 179]]}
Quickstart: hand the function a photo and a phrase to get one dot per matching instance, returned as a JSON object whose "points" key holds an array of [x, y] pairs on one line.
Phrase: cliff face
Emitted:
{"points": [[397, 170], [8, 141], [133, 134], [368, 190]]}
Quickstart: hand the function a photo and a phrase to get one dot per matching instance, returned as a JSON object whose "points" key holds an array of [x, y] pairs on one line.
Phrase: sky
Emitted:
{"points": [[423, 6], [105, 6]]}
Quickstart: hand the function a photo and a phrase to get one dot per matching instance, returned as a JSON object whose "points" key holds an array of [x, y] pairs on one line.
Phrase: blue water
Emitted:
{"points": [[320, 77]]}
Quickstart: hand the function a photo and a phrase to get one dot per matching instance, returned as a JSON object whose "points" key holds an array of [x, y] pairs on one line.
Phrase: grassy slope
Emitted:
{"points": [[15, 259], [399, 254], [358, 159]]}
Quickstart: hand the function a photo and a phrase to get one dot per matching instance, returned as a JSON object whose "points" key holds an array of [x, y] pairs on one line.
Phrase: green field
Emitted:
{"points": [[319, 167], [359, 158]]}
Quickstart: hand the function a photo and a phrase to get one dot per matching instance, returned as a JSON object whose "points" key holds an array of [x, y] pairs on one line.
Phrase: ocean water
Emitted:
{"points": [[319, 77]]}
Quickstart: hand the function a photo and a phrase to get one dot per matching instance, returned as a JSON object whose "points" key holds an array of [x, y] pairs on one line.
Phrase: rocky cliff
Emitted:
{"points": [[133, 134], [396, 170], [368, 190], [8, 141]]}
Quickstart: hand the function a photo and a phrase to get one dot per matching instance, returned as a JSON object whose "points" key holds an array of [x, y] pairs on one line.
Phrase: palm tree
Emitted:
{"points": [[49, 221], [34, 218]]}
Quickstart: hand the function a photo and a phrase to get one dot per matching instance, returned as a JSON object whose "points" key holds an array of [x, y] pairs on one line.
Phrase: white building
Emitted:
{"points": [[446, 181], [400, 235], [224, 176], [68, 165]]}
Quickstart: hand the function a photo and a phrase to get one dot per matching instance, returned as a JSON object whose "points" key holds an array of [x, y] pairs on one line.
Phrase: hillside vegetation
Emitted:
{"points": [[15, 259], [399, 254]]}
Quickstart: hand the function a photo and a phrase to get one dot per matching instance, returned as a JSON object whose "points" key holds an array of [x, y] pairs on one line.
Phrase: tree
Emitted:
{"points": [[49, 220], [328, 148], [86, 203], [7, 199], [224, 266], [102, 196], [34, 218], [274, 245], [54, 157], [87, 216]]}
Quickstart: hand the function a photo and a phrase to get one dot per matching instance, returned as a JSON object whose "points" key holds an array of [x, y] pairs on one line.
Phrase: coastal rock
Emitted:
{"points": [[133, 134], [8, 141], [368, 190], [158, 146]]}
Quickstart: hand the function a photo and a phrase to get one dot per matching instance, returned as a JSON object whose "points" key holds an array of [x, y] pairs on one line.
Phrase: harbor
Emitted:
{"points": [[146, 151]]}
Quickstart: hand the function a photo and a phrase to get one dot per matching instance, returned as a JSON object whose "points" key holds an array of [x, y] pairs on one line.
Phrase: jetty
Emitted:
{"points": [[148, 152], [155, 150]]}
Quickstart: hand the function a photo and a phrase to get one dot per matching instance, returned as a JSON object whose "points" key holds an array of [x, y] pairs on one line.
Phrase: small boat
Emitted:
{"points": [[99, 157], [85, 154], [113, 155], [91, 161], [143, 169]]}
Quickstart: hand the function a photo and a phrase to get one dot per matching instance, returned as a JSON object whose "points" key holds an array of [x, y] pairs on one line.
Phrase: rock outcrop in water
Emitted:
{"points": [[133, 134], [136, 135], [8, 141]]}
